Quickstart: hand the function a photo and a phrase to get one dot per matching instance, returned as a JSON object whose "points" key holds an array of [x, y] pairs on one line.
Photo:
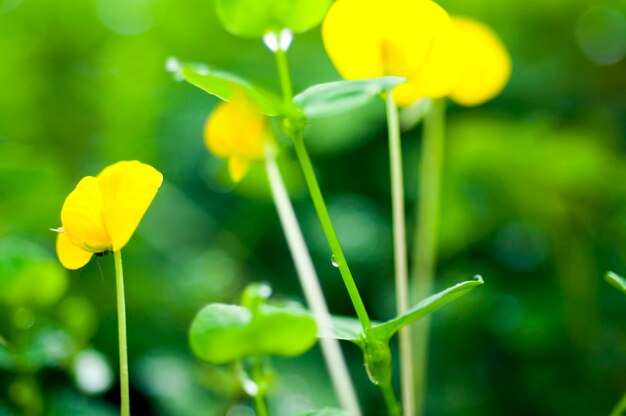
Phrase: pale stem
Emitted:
{"points": [[400, 257], [121, 327], [311, 287], [425, 242]]}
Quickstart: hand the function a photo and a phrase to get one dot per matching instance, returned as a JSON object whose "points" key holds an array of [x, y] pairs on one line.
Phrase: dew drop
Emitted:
{"points": [[333, 261]]}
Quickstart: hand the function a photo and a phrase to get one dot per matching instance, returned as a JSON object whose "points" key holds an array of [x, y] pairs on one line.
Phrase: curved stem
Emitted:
{"points": [[318, 201], [390, 400], [425, 243], [339, 258], [400, 256], [121, 327], [310, 284]]}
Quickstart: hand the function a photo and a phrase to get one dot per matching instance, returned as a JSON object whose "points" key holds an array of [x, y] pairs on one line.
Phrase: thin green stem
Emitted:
{"points": [[425, 243], [620, 407], [390, 400], [256, 370], [318, 201], [400, 256], [121, 327], [338, 256], [311, 286], [283, 73], [260, 405]]}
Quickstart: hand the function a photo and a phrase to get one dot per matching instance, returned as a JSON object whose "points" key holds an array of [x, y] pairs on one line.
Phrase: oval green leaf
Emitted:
{"points": [[223, 333], [254, 18], [335, 97], [224, 85]]}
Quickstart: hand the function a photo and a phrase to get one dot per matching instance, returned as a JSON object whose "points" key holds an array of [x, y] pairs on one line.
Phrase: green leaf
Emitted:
{"points": [[225, 86], [339, 96], [223, 333], [324, 412], [254, 18], [344, 328], [425, 307], [616, 281]]}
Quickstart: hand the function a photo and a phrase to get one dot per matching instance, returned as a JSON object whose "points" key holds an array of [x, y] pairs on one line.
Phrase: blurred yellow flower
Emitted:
{"points": [[238, 132], [410, 38], [488, 66], [102, 212]]}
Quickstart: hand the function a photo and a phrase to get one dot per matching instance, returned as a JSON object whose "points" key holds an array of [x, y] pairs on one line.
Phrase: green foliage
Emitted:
{"points": [[254, 18], [616, 281], [424, 308], [331, 98], [226, 86], [548, 156], [322, 100], [29, 276], [349, 329], [222, 333]]}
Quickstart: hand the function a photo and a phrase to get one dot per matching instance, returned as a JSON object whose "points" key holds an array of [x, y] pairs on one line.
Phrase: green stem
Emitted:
{"points": [[318, 201], [400, 256], [256, 370], [121, 326], [390, 400], [309, 281], [425, 243], [260, 405], [283, 73], [339, 258], [620, 407]]}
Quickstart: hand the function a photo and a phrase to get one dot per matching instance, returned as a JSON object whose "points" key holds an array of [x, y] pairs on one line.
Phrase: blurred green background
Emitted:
{"points": [[534, 200]]}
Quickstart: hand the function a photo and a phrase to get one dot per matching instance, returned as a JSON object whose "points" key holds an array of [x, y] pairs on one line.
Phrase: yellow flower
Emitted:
{"points": [[102, 212], [488, 66], [410, 38], [238, 132]]}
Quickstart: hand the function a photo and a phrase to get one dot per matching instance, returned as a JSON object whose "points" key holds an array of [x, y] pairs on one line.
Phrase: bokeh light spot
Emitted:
{"points": [[92, 372], [601, 33]]}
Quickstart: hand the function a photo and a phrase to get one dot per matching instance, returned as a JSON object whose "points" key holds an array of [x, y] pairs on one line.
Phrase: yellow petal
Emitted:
{"points": [[488, 65], [128, 189], [236, 129], [444, 64], [410, 38], [71, 256], [353, 38], [408, 28], [237, 168], [81, 217]]}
